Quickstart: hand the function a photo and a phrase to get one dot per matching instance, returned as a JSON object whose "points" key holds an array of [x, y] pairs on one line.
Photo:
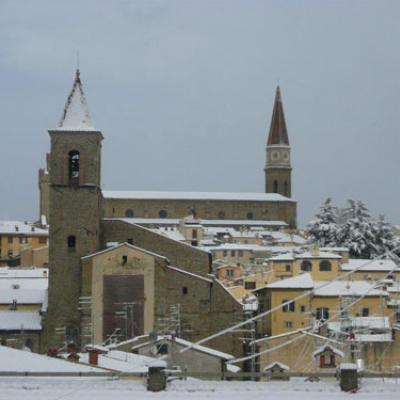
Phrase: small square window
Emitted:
{"points": [[184, 290], [130, 241], [288, 324], [249, 285], [287, 268], [302, 308], [124, 260]]}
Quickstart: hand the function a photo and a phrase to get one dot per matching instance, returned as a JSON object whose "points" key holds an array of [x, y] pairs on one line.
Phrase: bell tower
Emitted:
{"points": [[75, 211], [278, 170]]}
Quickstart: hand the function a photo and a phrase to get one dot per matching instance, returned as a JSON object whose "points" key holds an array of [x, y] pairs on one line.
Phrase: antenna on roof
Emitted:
{"points": [[77, 60]]}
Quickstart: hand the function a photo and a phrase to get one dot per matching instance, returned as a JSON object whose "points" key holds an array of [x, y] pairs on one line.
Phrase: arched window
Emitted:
{"points": [[221, 215], [129, 213], [325, 265], [306, 266], [71, 241], [285, 185], [163, 214], [249, 215], [275, 186], [73, 165]]}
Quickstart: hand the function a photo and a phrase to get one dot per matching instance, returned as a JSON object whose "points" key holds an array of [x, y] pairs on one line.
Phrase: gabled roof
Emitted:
{"points": [[327, 347], [76, 115], [277, 132], [276, 364], [130, 246]]}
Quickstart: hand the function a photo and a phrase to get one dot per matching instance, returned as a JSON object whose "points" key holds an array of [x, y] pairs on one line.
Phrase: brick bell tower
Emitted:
{"points": [[278, 170], [75, 211]]}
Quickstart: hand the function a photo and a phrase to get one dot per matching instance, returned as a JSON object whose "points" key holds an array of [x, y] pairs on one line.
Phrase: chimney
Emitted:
{"points": [[94, 356], [314, 250], [71, 348]]}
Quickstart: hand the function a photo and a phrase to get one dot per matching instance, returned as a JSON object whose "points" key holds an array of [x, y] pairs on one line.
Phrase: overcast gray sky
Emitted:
{"points": [[183, 92]]}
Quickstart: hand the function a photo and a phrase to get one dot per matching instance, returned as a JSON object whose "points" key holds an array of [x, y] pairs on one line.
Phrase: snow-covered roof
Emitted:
{"points": [[346, 288], [373, 322], [302, 281], [283, 257], [373, 337], [12, 360], [204, 222], [321, 254], [22, 296], [21, 228], [153, 195], [119, 245], [239, 246], [276, 364], [123, 361], [327, 288], [76, 116], [30, 276], [348, 366], [20, 320], [327, 347], [171, 233], [370, 265], [290, 256], [186, 343]]}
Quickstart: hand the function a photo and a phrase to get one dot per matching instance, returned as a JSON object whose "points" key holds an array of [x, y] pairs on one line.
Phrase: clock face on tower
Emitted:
{"points": [[285, 156], [275, 155]]}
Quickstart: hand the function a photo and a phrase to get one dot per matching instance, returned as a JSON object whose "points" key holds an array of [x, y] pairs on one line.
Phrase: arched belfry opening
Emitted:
{"points": [[275, 186], [73, 166]]}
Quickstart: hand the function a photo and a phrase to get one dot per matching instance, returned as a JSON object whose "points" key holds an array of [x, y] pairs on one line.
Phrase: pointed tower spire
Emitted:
{"points": [[277, 131], [76, 114], [278, 168]]}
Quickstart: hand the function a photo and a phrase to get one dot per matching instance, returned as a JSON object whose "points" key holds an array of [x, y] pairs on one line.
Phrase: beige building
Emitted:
{"points": [[15, 236]]}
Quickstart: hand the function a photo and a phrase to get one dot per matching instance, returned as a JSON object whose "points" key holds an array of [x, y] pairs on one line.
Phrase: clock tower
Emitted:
{"points": [[75, 212], [278, 168]]}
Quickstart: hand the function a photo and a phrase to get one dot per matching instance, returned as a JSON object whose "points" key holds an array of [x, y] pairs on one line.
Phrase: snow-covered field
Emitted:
{"points": [[102, 389]]}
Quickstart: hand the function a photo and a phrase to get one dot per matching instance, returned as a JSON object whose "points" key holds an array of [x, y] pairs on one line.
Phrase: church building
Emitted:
{"points": [[109, 275]]}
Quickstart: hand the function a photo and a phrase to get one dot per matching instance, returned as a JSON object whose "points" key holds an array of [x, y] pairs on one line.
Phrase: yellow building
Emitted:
{"points": [[321, 265], [356, 316], [15, 236], [325, 301]]}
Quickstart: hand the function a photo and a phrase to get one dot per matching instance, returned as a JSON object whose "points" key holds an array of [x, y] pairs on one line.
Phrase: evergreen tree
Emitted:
{"points": [[354, 228], [385, 240], [324, 229], [357, 233]]}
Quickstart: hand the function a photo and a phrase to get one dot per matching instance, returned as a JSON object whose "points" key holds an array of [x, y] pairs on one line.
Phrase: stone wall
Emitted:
{"points": [[180, 254], [205, 209]]}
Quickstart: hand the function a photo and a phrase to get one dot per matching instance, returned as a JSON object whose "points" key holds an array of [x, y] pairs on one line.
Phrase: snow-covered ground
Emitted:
{"points": [[102, 389]]}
